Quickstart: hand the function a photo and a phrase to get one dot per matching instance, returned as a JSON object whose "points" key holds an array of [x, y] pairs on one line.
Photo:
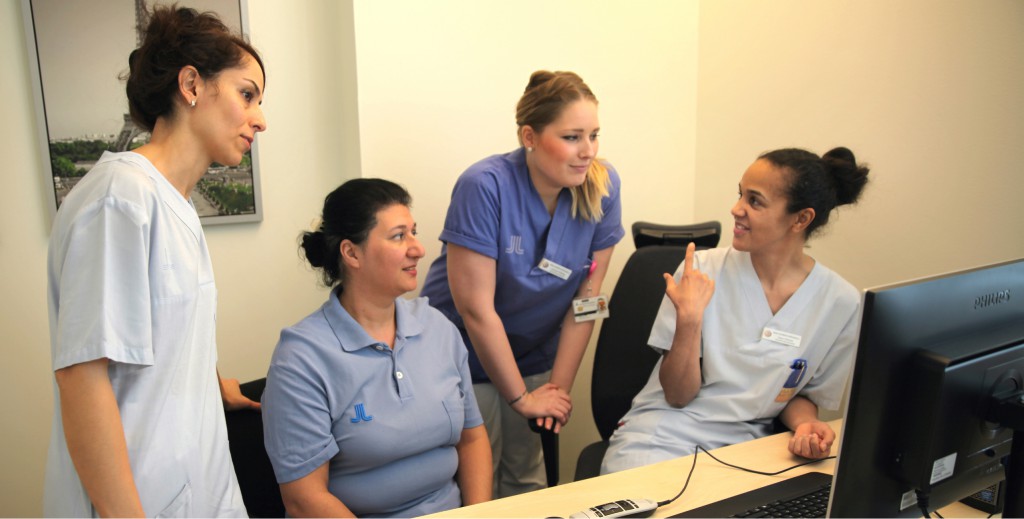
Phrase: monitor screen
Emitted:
{"points": [[933, 358]]}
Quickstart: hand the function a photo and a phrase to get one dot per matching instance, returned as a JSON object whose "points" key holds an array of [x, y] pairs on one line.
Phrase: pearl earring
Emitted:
{"points": [[529, 149], [193, 103]]}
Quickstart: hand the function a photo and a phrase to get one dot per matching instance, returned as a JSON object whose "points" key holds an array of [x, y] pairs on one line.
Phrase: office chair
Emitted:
{"points": [[549, 446], [622, 359], [705, 234], [260, 492]]}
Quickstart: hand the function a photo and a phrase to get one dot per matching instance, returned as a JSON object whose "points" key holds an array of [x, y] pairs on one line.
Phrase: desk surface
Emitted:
{"points": [[711, 482]]}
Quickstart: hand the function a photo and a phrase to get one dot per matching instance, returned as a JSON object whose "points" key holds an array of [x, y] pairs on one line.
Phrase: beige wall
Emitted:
{"points": [[926, 91], [438, 89], [311, 145]]}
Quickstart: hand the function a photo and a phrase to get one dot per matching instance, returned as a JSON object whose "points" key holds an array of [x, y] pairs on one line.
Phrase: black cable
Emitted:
{"points": [[686, 483], [693, 466], [798, 465], [922, 502]]}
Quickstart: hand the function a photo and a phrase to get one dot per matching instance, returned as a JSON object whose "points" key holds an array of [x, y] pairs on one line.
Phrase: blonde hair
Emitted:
{"points": [[546, 95]]}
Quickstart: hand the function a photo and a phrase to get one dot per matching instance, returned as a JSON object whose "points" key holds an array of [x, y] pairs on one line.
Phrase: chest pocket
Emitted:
{"points": [[453, 406]]}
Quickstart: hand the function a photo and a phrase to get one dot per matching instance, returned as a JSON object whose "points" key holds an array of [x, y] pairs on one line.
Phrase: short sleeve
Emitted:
{"points": [[828, 384], [103, 306], [297, 423], [474, 214], [609, 230], [664, 328]]}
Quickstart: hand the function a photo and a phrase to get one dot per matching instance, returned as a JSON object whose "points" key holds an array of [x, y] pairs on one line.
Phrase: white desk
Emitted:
{"points": [[711, 482]]}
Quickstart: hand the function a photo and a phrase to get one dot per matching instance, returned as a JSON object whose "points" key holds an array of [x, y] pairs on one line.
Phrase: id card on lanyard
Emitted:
{"points": [[590, 308]]}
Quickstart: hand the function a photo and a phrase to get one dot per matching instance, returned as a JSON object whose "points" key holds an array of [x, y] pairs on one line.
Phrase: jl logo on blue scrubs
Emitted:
{"points": [[516, 247], [361, 414]]}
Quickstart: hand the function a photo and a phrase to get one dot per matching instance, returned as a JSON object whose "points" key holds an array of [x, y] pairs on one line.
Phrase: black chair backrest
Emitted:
{"points": [[260, 492], [705, 235], [622, 359]]}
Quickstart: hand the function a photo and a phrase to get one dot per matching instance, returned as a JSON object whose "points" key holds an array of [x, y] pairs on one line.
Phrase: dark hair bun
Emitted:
{"points": [[174, 38], [850, 178], [314, 244]]}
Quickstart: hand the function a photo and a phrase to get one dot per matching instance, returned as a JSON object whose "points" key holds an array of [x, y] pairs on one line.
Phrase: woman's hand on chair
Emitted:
{"points": [[549, 404]]}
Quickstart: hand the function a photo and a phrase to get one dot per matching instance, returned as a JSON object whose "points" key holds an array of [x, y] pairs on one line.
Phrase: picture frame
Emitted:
{"points": [[78, 50]]}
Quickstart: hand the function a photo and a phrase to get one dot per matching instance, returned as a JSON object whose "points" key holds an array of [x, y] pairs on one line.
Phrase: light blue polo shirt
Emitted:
{"points": [[386, 420], [496, 211]]}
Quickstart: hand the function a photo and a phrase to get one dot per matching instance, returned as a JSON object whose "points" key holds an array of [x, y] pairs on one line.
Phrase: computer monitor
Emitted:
{"points": [[935, 395]]}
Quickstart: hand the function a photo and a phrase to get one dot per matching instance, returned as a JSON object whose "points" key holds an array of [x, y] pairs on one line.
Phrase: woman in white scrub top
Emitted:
{"points": [[754, 331], [138, 425]]}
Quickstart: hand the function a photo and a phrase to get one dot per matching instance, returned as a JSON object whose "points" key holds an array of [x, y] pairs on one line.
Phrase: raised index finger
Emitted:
{"points": [[688, 262]]}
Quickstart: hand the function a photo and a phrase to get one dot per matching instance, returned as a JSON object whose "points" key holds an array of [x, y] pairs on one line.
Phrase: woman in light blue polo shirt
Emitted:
{"points": [[369, 408], [526, 233]]}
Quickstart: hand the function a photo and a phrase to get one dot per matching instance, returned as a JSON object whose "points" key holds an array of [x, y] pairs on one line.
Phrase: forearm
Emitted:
{"points": [[575, 337], [475, 469], [680, 374], [799, 410], [572, 344], [96, 441], [308, 496], [490, 342], [323, 504]]}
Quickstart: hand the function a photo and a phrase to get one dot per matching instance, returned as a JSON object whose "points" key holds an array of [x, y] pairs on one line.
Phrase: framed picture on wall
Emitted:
{"points": [[79, 50]]}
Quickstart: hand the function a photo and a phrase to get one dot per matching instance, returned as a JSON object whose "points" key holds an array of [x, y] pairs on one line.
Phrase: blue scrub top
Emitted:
{"points": [[386, 420], [496, 211]]}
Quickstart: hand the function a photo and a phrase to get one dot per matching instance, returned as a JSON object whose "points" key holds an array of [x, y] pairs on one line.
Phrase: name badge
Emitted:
{"points": [[796, 374], [781, 337], [554, 269], [590, 308]]}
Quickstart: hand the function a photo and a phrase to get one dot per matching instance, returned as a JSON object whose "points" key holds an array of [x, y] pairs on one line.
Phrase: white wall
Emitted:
{"points": [[24, 226], [926, 91]]}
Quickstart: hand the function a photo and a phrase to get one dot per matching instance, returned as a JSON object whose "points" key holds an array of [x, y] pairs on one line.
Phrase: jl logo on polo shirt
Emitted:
{"points": [[517, 245], [361, 414]]}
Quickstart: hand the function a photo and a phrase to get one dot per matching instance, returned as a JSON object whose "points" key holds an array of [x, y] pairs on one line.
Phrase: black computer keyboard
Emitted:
{"points": [[805, 495]]}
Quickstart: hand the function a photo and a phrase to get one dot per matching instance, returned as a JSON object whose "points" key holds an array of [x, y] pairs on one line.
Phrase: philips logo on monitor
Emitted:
{"points": [[994, 298]]}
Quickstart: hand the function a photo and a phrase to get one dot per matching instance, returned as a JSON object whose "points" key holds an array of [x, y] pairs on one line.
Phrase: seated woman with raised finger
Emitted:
{"points": [[754, 331]]}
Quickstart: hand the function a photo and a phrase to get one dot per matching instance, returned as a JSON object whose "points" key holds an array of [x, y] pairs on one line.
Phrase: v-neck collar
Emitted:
{"points": [[793, 307], [179, 205], [558, 222]]}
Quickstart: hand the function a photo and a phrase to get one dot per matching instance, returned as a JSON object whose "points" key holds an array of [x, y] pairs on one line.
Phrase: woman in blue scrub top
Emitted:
{"points": [[369, 408], [526, 233], [754, 331], [138, 425]]}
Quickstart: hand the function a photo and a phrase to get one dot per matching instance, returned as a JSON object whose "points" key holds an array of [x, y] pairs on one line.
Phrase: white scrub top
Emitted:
{"points": [[130, 280], [742, 370]]}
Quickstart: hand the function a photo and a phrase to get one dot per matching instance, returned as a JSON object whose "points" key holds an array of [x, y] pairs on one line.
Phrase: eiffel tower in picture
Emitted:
{"points": [[129, 131]]}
